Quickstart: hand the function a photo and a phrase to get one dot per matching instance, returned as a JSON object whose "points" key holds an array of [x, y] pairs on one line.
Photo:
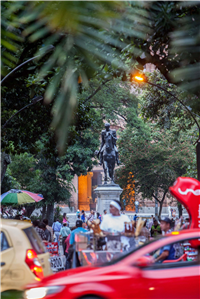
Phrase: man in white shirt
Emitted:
{"points": [[114, 222]]}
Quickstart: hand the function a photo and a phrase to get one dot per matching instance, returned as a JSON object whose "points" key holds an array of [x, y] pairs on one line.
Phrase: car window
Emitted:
{"points": [[34, 239], [125, 254], [179, 254], [4, 242]]}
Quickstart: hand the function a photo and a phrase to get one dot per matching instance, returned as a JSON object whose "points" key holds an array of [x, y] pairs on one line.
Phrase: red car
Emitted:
{"points": [[133, 275]]}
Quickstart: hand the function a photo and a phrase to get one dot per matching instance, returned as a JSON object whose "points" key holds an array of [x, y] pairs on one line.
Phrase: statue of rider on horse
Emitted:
{"points": [[108, 152]]}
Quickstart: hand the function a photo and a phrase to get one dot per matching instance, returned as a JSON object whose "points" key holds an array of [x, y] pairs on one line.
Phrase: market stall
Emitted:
{"points": [[100, 248], [57, 261]]}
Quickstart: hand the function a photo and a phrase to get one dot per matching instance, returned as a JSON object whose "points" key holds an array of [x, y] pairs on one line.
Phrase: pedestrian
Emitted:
{"points": [[104, 213], [150, 223], [47, 233], [49, 228], [114, 222], [56, 229], [136, 206], [135, 217], [155, 229], [68, 263], [99, 216], [172, 224], [91, 216], [39, 230], [83, 216], [78, 213], [186, 224], [65, 220], [64, 232], [79, 228], [145, 232]]}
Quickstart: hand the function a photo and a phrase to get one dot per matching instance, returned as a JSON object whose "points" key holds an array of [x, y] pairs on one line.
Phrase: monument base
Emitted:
{"points": [[105, 194]]}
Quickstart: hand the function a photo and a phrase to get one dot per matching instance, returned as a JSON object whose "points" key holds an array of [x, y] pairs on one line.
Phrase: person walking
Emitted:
{"points": [[91, 216], [99, 216], [49, 228], [56, 229], [67, 244], [78, 213], [64, 232], [150, 222], [83, 216], [136, 206], [79, 229], [39, 230], [47, 233], [186, 224]]}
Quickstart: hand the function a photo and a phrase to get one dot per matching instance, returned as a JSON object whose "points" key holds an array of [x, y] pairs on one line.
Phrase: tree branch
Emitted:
{"points": [[99, 88], [18, 67], [34, 101], [48, 49], [120, 115], [156, 198], [165, 192]]}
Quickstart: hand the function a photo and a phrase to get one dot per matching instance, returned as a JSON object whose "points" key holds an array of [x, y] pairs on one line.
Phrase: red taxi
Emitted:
{"points": [[135, 275]]}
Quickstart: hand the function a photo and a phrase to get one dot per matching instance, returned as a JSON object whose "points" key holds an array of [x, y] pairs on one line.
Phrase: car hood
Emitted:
{"points": [[57, 278]]}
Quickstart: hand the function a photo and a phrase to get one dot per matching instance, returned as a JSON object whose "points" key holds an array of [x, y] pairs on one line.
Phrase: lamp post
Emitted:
{"points": [[143, 78]]}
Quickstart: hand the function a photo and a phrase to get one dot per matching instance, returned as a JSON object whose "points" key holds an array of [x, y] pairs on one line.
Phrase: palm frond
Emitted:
{"points": [[186, 44], [85, 34], [10, 36]]}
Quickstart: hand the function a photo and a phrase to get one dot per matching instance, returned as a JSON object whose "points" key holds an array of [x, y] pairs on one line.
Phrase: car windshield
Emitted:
{"points": [[34, 239], [125, 254]]}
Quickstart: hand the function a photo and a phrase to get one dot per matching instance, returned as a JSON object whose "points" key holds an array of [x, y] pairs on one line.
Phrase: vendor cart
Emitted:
{"points": [[57, 261]]}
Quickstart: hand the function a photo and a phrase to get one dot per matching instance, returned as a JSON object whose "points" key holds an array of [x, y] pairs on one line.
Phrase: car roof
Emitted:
{"points": [[14, 223]]}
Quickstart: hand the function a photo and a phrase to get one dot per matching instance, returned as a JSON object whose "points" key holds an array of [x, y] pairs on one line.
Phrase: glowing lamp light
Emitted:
{"points": [[138, 78], [175, 233]]}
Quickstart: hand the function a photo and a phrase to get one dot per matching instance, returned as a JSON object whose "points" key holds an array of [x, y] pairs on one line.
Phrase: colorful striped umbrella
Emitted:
{"points": [[20, 197]]}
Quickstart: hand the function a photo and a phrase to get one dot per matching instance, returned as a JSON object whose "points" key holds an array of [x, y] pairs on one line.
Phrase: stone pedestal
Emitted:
{"points": [[105, 194]]}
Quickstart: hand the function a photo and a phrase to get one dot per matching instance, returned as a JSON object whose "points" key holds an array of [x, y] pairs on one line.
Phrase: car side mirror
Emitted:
{"points": [[143, 262]]}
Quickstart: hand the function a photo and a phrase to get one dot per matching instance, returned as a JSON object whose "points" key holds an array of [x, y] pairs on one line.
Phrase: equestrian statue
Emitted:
{"points": [[108, 152]]}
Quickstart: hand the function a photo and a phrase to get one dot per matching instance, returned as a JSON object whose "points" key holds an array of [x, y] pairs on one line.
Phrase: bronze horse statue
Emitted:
{"points": [[109, 158], [108, 153]]}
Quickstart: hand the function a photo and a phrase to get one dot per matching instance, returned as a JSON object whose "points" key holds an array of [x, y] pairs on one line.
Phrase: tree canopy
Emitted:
{"points": [[116, 33]]}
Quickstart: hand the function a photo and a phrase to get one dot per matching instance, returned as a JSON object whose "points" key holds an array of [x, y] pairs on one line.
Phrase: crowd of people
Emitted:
{"points": [[112, 222]]}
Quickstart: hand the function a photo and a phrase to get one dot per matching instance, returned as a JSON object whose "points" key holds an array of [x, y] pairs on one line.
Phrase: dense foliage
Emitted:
{"points": [[116, 33], [80, 59]]}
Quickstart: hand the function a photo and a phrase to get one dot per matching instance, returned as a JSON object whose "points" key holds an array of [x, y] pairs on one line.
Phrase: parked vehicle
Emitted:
{"points": [[23, 255]]}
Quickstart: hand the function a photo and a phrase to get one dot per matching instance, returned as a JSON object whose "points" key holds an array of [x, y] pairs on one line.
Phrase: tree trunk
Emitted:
{"points": [[5, 161], [29, 209], [180, 209], [44, 212], [160, 210], [50, 213], [161, 204]]}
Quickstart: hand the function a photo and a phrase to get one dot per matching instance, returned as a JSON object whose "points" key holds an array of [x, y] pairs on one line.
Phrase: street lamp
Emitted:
{"points": [[142, 78]]}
